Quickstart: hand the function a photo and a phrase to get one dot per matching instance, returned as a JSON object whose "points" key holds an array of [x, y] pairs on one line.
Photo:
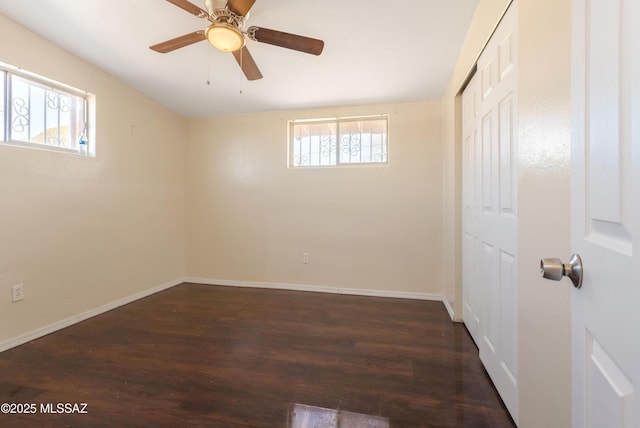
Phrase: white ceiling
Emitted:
{"points": [[376, 51]]}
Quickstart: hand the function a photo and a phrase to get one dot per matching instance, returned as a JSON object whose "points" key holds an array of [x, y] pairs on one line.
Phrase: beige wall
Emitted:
{"points": [[250, 217], [543, 198], [83, 232], [544, 204]]}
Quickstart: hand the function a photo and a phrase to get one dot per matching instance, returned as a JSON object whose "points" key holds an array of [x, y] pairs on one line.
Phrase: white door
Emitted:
{"points": [[606, 212], [470, 208], [490, 209]]}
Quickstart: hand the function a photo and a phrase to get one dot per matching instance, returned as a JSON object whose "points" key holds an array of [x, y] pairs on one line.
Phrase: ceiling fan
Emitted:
{"points": [[227, 33]]}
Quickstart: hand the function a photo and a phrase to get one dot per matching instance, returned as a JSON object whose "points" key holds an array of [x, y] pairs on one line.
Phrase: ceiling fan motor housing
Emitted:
{"points": [[225, 16]]}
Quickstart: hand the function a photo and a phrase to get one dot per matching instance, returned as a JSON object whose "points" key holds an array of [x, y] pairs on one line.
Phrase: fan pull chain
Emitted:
{"points": [[208, 66], [241, 68]]}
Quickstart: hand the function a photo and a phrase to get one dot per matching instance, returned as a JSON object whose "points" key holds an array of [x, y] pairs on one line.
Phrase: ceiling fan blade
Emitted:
{"points": [[247, 64], [179, 42], [190, 7], [286, 40], [240, 7]]}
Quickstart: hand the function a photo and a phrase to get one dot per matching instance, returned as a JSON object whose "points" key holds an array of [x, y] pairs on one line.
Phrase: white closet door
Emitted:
{"points": [[490, 210], [470, 209]]}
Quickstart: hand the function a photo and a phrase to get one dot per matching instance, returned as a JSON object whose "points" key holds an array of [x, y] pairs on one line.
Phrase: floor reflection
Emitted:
{"points": [[303, 416]]}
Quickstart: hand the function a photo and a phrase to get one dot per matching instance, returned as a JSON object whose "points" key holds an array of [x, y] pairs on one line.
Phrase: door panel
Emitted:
{"points": [[487, 162], [606, 212], [488, 289], [607, 167], [610, 391], [506, 112], [509, 313]]}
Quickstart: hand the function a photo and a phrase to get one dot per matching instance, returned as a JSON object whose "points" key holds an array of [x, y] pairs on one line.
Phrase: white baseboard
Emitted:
{"points": [[449, 308], [59, 325], [318, 289]]}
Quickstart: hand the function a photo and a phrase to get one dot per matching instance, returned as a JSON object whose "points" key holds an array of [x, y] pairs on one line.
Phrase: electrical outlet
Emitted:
{"points": [[17, 293], [305, 258]]}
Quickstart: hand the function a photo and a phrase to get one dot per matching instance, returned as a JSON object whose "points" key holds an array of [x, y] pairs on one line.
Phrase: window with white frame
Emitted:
{"points": [[40, 113], [338, 141], [3, 121]]}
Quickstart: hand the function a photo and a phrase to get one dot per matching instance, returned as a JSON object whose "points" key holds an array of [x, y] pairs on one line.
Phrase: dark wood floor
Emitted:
{"points": [[209, 356]]}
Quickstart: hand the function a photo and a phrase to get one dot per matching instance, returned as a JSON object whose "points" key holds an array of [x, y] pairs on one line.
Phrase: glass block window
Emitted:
{"points": [[338, 141]]}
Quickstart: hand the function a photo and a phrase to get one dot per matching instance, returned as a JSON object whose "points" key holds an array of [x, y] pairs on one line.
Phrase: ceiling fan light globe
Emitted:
{"points": [[225, 37]]}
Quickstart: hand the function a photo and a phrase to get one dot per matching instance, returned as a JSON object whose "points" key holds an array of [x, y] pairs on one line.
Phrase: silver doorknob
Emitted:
{"points": [[554, 269]]}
